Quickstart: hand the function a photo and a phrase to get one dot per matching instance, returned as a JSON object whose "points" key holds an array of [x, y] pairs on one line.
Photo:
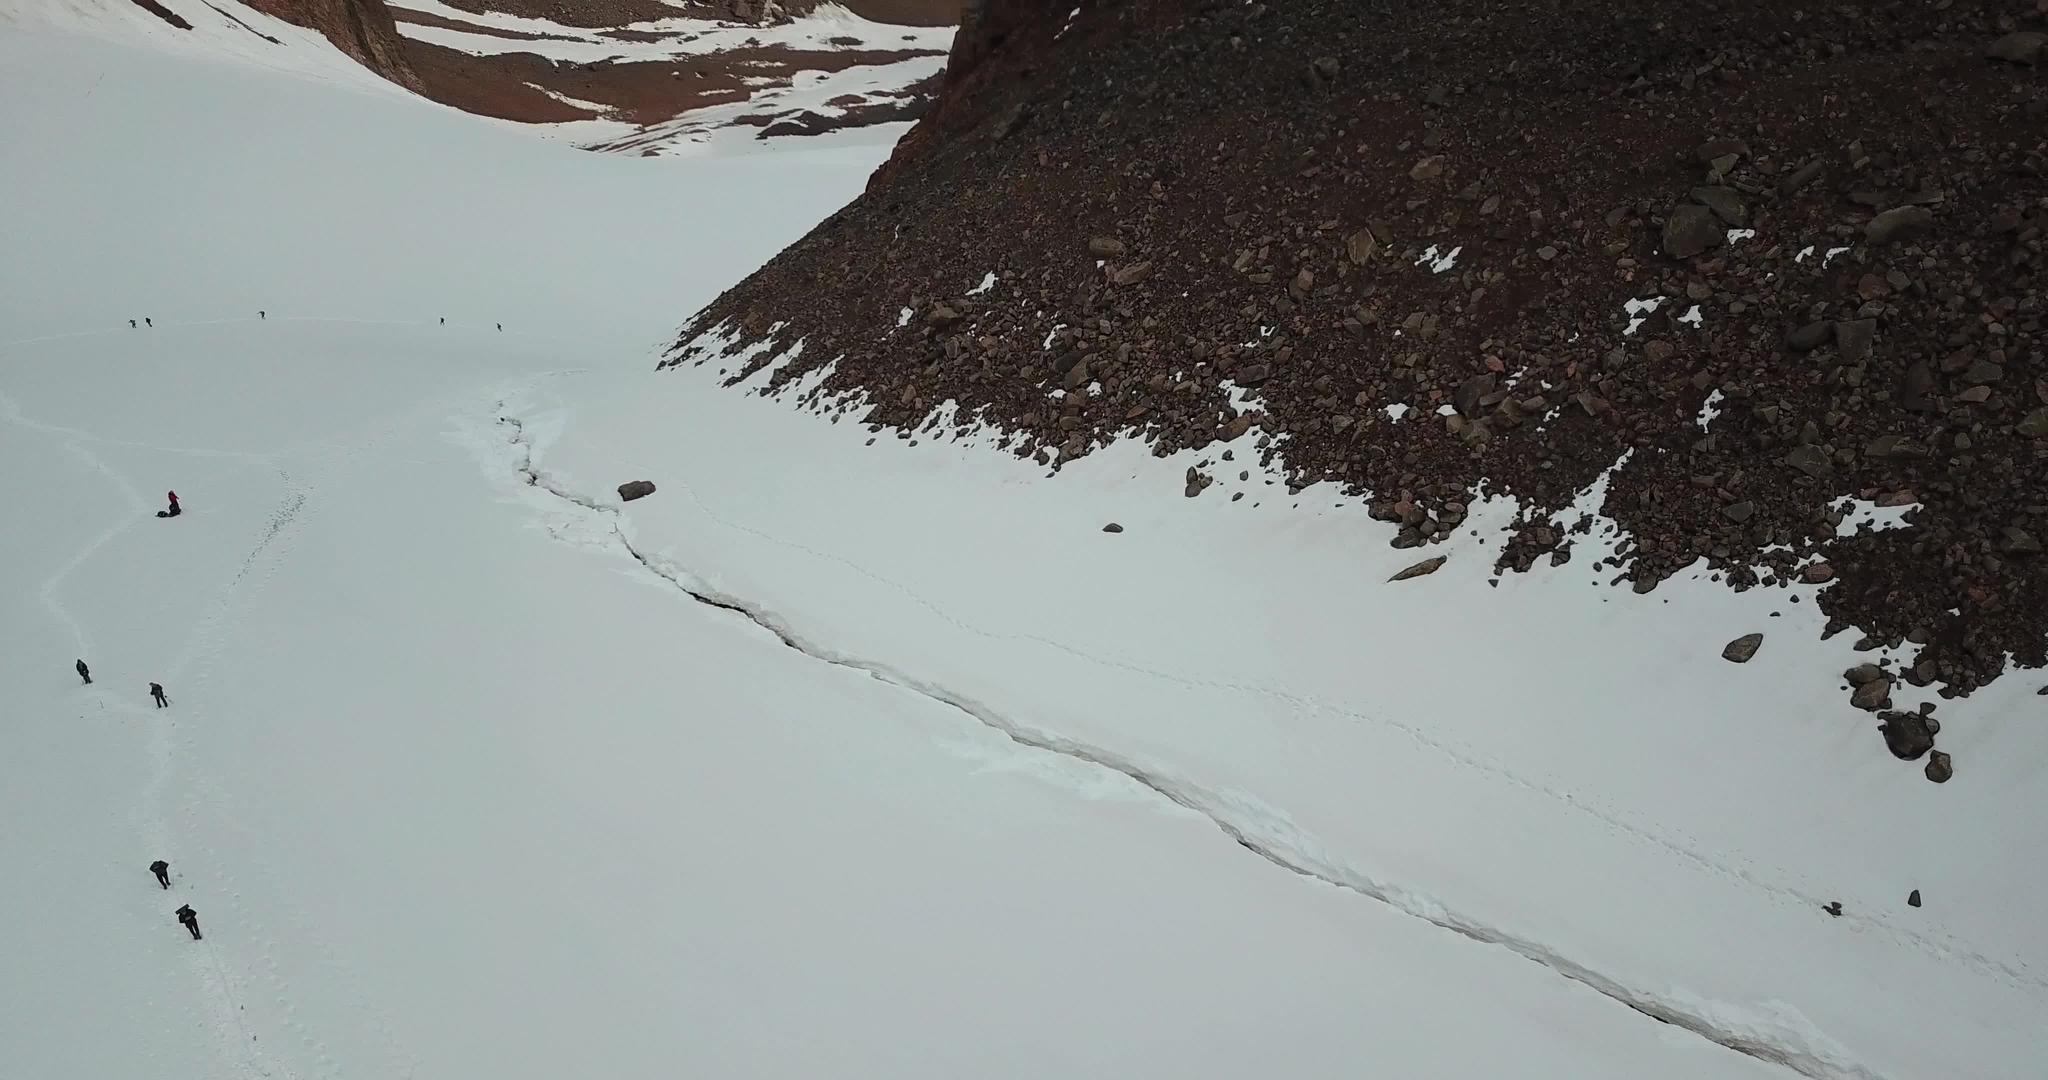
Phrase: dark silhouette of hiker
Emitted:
{"points": [[162, 870], [263, 315], [146, 322], [156, 690], [173, 511], [85, 673], [444, 320], [501, 328], [131, 324], [190, 918]]}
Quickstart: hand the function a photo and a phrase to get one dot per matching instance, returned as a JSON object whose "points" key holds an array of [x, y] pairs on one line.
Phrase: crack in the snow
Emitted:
{"points": [[1263, 836]]}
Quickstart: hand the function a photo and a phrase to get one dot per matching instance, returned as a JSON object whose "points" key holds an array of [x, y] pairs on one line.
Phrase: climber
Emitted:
{"points": [[263, 315], [156, 690], [190, 918], [85, 673], [173, 511], [131, 324], [146, 322], [162, 870]]}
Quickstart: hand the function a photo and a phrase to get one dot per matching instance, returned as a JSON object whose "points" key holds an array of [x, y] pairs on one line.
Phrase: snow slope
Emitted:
{"points": [[833, 759]]}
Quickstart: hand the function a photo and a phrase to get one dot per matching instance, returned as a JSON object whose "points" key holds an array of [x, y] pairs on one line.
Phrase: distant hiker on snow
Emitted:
{"points": [[444, 320], [156, 690], [131, 324], [85, 673], [263, 315], [162, 870], [190, 918], [173, 511], [146, 322]]}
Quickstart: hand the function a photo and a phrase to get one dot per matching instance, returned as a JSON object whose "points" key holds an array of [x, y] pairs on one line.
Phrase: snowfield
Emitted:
{"points": [[830, 758]]}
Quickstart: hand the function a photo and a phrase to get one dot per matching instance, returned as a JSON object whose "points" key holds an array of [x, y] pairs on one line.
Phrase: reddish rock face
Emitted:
{"points": [[361, 28]]}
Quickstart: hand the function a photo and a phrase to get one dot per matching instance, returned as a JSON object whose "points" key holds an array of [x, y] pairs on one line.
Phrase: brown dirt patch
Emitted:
{"points": [[640, 91], [490, 85], [593, 14], [423, 18]]}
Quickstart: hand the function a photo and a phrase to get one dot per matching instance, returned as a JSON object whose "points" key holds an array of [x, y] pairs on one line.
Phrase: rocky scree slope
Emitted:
{"points": [[1837, 212]]}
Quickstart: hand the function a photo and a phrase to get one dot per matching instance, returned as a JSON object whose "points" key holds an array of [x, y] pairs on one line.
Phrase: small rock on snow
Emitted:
{"points": [[1741, 649], [636, 489]]}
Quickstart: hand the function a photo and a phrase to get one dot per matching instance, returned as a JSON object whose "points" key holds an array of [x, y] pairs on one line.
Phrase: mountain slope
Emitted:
{"points": [[1784, 265]]}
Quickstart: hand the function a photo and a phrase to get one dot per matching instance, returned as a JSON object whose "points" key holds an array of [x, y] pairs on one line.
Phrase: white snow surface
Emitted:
{"points": [[831, 759]]}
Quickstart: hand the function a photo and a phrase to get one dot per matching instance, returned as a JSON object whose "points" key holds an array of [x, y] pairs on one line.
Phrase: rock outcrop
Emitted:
{"points": [[364, 29], [1371, 211]]}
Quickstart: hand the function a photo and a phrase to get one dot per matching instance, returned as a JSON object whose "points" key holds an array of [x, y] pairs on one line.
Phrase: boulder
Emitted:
{"points": [[2019, 47], [1426, 566], [1691, 230], [1898, 223], [636, 489], [1873, 695], [1906, 734], [1913, 898], [1741, 649], [1938, 767], [1112, 527]]}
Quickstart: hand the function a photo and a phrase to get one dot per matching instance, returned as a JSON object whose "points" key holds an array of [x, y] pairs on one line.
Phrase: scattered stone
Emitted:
{"points": [[1325, 68], [1131, 274], [1863, 674], [1739, 512], [1726, 203], [1913, 898], [1906, 734], [1691, 230], [1817, 573], [1873, 695], [2018, 47], [1809, 337], [1112, 527], [2035, 425], [2019, 541], [1741, 649], [1809, 459], [941, 316], [1108, 247], [1939, 768], [1898, 223], [1916, 388], [1853, 338], [1360, 247], [1833, 907], [1428, 170], [1426, 566], [636, 489]]}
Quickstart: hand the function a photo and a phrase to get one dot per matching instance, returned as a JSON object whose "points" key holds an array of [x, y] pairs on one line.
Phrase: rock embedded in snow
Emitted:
{"points": [[1817, 573], [1112, 527], [1833, 907], [1863, 674], [1939, 768], [1741, 649], [1873, 695], [1906, 734], [636, 489], [1426, 566], [1692, 229], [1913, 898]]}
